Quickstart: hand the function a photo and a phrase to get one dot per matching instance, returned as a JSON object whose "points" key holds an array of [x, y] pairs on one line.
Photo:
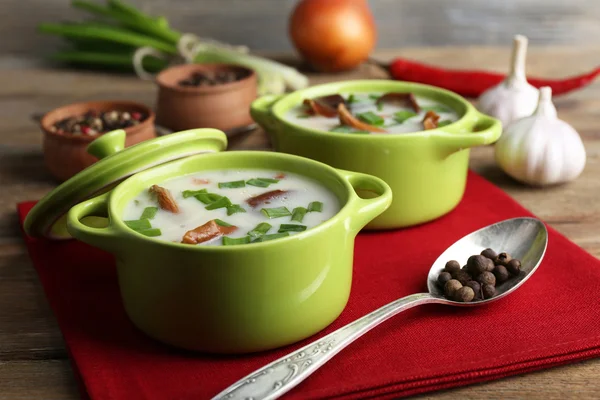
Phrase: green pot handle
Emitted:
{"points": [[376, 197], [477, 129], [260, 110], [103, 237]]}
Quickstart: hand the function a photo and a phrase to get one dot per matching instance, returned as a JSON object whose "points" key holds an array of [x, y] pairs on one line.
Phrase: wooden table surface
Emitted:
{"points": [[33, 360]]}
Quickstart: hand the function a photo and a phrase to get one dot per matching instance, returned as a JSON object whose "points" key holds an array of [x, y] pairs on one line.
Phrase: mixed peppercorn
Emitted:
{"points": [[477, 280], [212, 78], [96, 122]]}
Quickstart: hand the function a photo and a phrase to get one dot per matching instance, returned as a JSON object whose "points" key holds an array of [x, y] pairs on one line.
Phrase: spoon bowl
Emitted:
{"points": [[523, 238]]}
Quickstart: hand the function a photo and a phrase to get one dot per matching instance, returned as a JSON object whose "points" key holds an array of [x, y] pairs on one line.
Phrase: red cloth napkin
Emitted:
{"points": [[553, 319]]}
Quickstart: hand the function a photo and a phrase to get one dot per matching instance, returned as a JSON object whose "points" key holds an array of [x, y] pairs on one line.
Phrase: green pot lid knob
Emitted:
{"points": [[107, 144], [115, 164]]}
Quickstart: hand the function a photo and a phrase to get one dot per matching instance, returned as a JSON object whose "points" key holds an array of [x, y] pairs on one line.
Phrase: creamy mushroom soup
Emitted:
{"points": [[230, 207], [372, 113]]}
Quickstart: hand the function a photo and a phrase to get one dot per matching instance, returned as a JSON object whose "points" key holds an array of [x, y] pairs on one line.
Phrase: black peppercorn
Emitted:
{"points": [[488, 291], [514, 266], [461, 276], [452, 266], [477, 264], [489, 253], [486, 278], [501, 273], [464, 294], [451, 287], [502, 259], [475, 286], [443, 278]]}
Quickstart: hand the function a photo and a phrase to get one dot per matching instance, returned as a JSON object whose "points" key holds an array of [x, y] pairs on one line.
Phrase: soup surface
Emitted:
{"points": [[392, 113], [230, 207]]}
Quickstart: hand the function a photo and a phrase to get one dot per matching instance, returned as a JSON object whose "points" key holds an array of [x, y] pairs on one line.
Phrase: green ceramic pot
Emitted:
{"points": [[234, 299], [426, 170]]}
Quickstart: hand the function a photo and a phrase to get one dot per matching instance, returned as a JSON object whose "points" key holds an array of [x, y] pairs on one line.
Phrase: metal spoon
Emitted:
{"points": [[523, 238]]}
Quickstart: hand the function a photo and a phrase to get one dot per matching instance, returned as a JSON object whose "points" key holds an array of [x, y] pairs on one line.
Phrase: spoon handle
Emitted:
{"points": [[278, 377]]}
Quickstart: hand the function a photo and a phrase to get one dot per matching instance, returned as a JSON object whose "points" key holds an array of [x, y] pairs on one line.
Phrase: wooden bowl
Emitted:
{"points": [[66, 154], [223, 106]]}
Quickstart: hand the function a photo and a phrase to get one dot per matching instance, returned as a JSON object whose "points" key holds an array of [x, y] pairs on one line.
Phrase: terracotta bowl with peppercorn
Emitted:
{"points": [[206, 96], [68, 131]]}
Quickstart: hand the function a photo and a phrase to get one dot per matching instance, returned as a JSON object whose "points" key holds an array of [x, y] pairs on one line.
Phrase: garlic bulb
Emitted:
{"points": [[513, 98], [541, 149]]}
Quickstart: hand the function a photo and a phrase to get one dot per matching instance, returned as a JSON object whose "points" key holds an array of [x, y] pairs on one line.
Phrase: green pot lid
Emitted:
{"points": [[47, 218]]}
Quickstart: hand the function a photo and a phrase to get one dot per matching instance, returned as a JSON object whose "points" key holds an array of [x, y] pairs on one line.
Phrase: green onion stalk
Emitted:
{"points": [[116, 30]]}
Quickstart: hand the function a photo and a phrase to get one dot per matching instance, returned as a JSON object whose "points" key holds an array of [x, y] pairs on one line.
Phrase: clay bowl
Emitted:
{"points": [[224, 106], [65, 154]]}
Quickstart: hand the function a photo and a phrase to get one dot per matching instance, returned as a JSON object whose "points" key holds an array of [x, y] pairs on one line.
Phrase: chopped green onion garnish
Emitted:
{"points": [[191, 193], [379, 106], [232, 185], [370, 118], [276, 212], [208, 198], [435, 108], [444, 123], [151, 232], [315, 206], [234, 209], [271, 237], [298, 214], [261, 182], [291, 228], [227, 241], [149, 213], [260, 230], [222, 223], [351, 99], [374, 96], [138, 224], [402, 116], [222, 202]]}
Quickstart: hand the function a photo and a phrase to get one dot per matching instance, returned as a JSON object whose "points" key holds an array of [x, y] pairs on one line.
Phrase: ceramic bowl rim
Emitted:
{"points": [[336, 87], [240, 84], [345, 211]]}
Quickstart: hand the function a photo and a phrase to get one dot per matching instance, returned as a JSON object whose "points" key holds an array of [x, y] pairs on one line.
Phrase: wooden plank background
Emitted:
{"points": [[262, 24]]}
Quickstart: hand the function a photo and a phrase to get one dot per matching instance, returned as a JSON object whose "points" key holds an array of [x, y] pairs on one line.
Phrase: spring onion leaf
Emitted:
{"points": [[370, 118], [261, 182], [227, 241], [138, 224], [444, 123], [298, 214], [291, 228], [232, 185], [192, 193], [351, 99], [208, 198], [402, 116], [151, 232], [315, 206], [149, 213], [276, 212], [260, 230], [222, 223], [234, 209], [379, 106], [222, 202], [271, 237]]}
